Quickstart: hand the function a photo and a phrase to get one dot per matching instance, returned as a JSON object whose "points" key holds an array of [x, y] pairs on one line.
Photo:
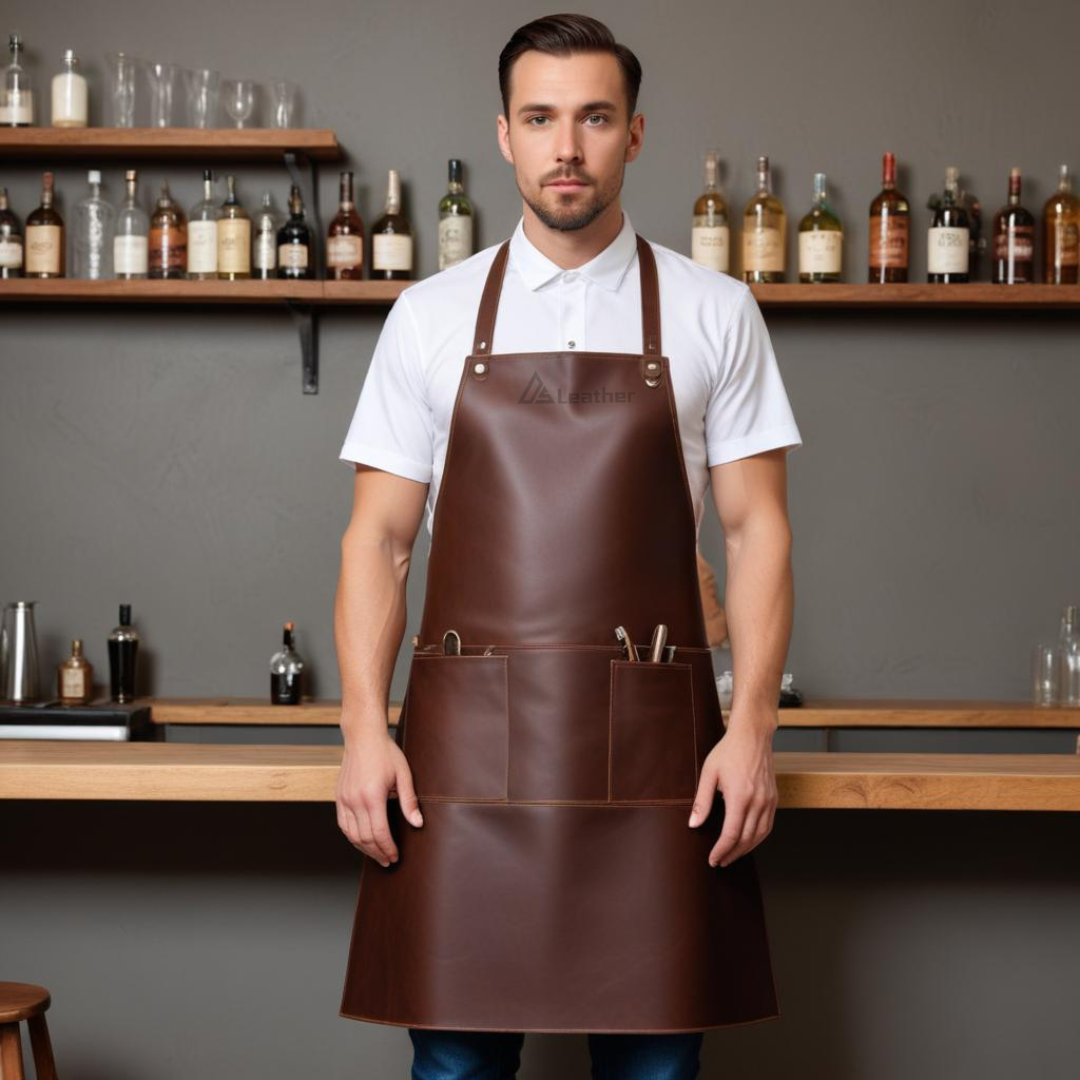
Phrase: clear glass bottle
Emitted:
{"points": [[17, 92], [710, 230], [1014, 239], [1069, 657], [345, 238], [168, 238], [131, 242], [95, 220], [75, 677], [764, 232], [286, 672], [455, 221], [391, 238], [123, 658], [234, 237], [948, 238], [1061, 229], [45, 243], [264, 239], [202, 238], [294, 241], [11, 240], [821, 239], [890, 220], [69, 95]]}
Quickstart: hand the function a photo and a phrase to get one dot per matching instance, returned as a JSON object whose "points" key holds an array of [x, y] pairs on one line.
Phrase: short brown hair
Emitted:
{"points": [[564, 35]]}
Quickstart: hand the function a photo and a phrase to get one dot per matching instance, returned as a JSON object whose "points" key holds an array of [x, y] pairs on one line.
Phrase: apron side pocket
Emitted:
{"points": [[456, 736], [653, 751]]}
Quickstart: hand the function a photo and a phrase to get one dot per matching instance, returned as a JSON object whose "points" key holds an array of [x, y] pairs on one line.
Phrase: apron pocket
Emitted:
{"points": [[653, 737], [456, 726]]}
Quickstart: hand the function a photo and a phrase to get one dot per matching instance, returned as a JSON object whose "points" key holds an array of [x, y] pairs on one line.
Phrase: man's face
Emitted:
{"points": [[568, 122]]}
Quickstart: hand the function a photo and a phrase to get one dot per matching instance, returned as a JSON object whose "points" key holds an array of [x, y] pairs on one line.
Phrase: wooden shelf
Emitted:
{"points": [[974, 295], [155, 772], [238, 144]]}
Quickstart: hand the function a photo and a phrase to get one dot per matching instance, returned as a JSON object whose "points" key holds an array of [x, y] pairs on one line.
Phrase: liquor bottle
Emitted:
{"points": [[345, 237], [948, 238], [1069, 657], [202, 234], [455, 221], [17, 92], [821, 239], [234, 237], [1061, 228], [764, 232], [95, 220], [710, 230], [45, 237], [130, 244], [11, 240], [286, 672], [264, 239], [391, 238], [294, 241], [1014, 239], [976, 234], [75, 677], [123, 657], [69, 95], [168, 238], [890, 219]]}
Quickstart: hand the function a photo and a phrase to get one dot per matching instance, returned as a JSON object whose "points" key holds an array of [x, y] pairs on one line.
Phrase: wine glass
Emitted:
{"points": [[238, 97]]}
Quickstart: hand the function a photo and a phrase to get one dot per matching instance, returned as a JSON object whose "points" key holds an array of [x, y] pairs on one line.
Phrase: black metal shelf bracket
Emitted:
{"points": [[304, 319]]}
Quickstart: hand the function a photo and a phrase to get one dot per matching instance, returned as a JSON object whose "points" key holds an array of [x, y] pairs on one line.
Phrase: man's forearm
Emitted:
{"points": [[369, 622], [759, 602]]}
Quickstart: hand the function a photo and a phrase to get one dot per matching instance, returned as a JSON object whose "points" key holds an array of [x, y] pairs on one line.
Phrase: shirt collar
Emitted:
{"points": [[606, 268]]}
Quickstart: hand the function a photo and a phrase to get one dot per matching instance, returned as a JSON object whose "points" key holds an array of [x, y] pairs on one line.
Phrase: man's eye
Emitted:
{"points": [[600, 115]]}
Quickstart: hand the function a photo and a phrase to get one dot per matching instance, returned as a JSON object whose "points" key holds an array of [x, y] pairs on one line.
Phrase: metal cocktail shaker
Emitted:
{"points": [[18, 653]]}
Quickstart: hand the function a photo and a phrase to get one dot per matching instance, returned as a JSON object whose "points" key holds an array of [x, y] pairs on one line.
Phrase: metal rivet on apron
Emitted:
{"points": [[483, 344], [480, 368], [571, 344]]}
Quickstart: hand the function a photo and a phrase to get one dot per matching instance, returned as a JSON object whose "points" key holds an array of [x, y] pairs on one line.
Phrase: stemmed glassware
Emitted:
{"points": [[238, 97]]}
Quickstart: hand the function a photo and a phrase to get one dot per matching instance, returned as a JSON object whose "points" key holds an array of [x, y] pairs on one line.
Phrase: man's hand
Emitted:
{"points": [[740, 765], [374, 769]]}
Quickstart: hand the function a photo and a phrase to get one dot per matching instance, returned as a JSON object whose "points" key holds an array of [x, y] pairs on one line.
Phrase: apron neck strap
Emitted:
{"points": [[650, 300]]}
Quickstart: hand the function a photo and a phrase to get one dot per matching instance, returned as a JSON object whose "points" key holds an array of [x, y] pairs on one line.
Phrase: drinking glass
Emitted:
{"points": [[1045, 674], [238, 97], [283, 96], [202, 95], [122, 69], [162, 77]]}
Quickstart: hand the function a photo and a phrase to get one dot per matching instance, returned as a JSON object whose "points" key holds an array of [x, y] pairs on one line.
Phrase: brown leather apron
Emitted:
{"points": [[555, 884]]}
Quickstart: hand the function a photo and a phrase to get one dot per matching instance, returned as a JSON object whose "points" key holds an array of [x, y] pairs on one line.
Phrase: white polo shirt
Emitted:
{"points": [[729, 395]]}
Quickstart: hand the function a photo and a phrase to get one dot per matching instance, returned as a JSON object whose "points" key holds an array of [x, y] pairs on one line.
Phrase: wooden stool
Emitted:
{"points": [[24, 1001]]}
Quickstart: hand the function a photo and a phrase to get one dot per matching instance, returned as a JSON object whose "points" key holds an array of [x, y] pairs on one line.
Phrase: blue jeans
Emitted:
{"points": [[496, 1055]]}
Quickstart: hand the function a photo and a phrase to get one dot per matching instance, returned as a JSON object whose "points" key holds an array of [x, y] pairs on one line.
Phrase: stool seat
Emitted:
{"points": [[20, 1001]]}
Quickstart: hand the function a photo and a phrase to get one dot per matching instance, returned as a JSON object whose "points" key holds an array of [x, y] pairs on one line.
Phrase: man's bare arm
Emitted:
{"points": [[369, 623], [751, 500]]}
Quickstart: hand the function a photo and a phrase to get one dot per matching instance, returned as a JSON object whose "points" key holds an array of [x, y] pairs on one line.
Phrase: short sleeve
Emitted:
{"points": [[393, 427], [748, 409]]}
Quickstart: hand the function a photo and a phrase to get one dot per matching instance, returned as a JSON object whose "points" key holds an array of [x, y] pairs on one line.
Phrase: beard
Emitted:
{"points": [[582, 210]]}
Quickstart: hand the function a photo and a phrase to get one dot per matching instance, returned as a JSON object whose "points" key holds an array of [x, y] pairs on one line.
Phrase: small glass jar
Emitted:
{"points": [[69, 95]]}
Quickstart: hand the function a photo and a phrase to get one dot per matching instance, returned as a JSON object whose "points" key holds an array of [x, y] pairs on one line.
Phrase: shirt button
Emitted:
{"points": [[571, 344]]}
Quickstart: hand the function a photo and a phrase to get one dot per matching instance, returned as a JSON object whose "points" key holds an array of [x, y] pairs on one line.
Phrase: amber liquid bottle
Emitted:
{"points": [[167, 255], [391, 238], [45, 237], [345, 239], [710, 230], [1061, 228], [890, 222], [764, 232], [233, 237], [1014, 239]]}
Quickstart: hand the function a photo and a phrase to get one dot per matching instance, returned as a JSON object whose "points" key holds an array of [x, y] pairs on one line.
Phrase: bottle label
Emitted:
{"points": [[11, 252], [947, 250], [455, 239], [820, 251], [234, 245], [344, 251], [202, 247], [72, 682], [889, 241], [293, 256], [1066, 244], [265, 251], [168, 249], [710, 245], [391, 251], [19, 108], [43, 249], [129, 254], [1016, 244], [763, 249]]}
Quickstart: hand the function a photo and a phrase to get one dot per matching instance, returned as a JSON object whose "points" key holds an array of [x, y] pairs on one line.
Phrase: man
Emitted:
{"points": [[559, 403]]}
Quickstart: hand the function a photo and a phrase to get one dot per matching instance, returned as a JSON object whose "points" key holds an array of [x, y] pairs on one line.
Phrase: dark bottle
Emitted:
{"points": [[345, 240], [1014, 239], [11, 240], [123, 654], [949, 236], [168, 238], [294, 241], [286, 672], [890, 217], [391, 238], [44, 245]]}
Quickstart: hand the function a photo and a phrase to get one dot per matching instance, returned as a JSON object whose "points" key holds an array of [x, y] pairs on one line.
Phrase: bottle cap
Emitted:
{"points": [[94, 176]]}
